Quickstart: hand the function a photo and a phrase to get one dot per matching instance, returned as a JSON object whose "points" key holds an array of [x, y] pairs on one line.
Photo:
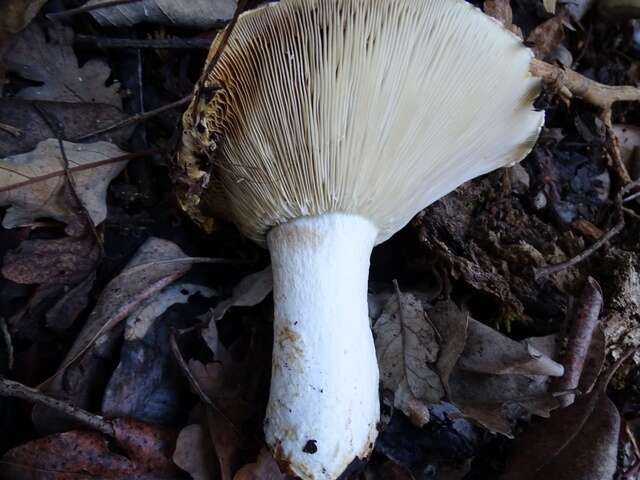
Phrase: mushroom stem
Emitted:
{"points": [[323, 407]]}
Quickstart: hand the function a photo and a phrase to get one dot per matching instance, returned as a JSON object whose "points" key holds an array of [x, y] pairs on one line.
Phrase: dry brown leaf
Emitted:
{"points": [[249, 292], [64, 261], [265, 468], [407, 349], [182, 13], [579, 442], [489, 377], [488, 351], [49, 59], [501, 11], [32, 183], [16, 14], [546, 37], [157, 264], [193, 453], [82, 454]]}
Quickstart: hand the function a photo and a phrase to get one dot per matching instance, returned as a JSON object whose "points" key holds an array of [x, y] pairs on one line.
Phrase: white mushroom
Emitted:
{"points": [[329, 124]]}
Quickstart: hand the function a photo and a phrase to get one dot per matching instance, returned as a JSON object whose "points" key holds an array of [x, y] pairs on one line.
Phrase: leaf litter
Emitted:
{"points": [[473, 356]]}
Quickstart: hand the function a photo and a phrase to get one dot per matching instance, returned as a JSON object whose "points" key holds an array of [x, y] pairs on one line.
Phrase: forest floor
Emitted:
{"points": [[133, 344]]}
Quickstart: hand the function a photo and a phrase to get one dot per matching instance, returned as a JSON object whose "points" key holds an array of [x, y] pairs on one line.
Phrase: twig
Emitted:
{"points": [[8, 342], [133, 120], [16, 132], [579, 86], [9, 388], [196, 385], [79, 168], [551, 269], [89, 8], [586, 319], [613, 149], [161, 43]]}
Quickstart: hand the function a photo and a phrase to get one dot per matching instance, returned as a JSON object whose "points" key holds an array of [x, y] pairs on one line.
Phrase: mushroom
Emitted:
{"points": [[324, 126]]}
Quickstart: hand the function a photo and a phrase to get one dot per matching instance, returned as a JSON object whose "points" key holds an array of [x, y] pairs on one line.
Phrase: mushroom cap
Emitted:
{"points": [[371, 107]]}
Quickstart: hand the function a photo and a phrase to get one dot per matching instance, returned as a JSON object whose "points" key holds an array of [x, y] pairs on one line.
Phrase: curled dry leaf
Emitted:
{"points": [[182, 13], [249, 292], [579, 442], [193, 453], [501, 11], [265, 468], [82, 454], [33, 183], [47, 57]]}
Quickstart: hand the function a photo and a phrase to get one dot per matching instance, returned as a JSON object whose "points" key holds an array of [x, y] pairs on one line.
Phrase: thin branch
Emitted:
{"points": [[79, 168], [631, 197], [9, 388], [89, 8], [551, 269], [141, 117], [160, 43]]}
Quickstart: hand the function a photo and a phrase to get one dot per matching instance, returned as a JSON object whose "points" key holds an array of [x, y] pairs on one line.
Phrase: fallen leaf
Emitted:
{"points": [[577, 8], [546, 37], [489, 377], [251, 290], [488, 351], [64, 261], [265, 468], [82, 454], [32, 183], [146, 383], [407, 349], [156, 265], [78, 119], [501, 11], [200, 14], [47, 57], [578, 442], [193, 453], [16, 14], [67, 309]]}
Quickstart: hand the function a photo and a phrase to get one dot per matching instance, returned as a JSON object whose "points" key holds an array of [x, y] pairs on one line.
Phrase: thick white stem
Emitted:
{"points": [[323, 407]]}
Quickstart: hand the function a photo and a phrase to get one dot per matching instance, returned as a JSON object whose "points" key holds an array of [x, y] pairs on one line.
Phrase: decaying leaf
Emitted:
{"points": [[16, 14], [183, 13], [578, 442], [145, 384], [82, 454], [50, 60], [546, 37], [407, 349], [265, 468], [64, 261], [488, 376], [193, 452], [501, 11], [33, 183], [249, 292]]}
